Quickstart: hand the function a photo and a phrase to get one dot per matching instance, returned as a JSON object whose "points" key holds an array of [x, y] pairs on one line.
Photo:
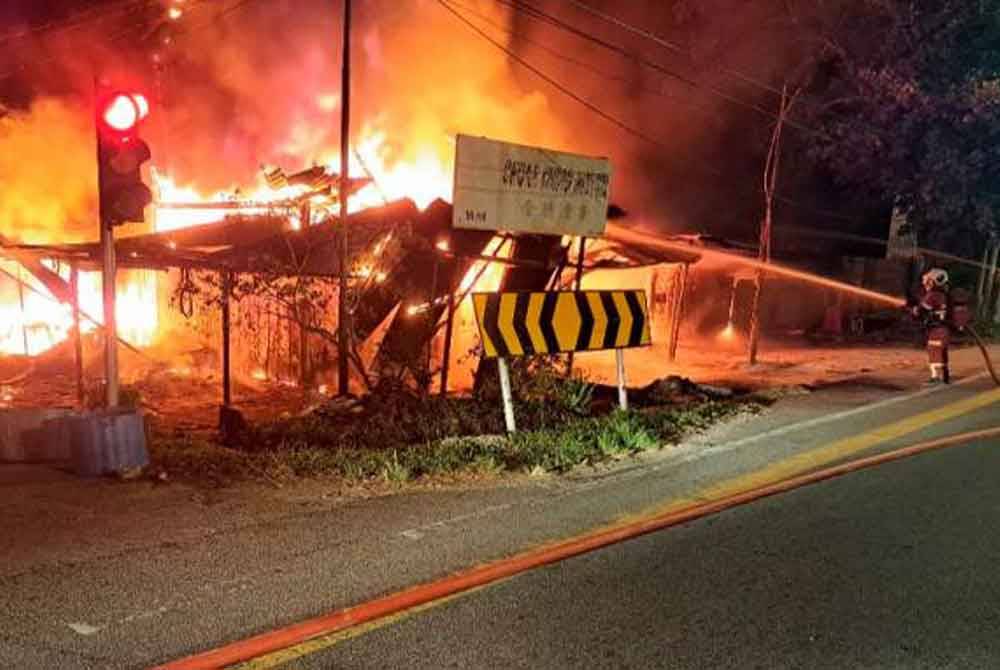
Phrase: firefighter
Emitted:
{"points": [[943, 311]]}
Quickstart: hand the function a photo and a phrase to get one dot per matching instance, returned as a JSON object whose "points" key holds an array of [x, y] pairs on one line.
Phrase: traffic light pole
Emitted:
{"points": [[343, 318], [108, 273]]}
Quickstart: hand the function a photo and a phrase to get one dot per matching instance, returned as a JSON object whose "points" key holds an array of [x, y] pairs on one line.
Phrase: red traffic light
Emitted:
{"points": [[123, 112]]}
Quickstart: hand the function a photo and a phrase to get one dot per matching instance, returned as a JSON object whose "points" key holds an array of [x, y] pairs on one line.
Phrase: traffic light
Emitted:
{"points": [[120, 155]]}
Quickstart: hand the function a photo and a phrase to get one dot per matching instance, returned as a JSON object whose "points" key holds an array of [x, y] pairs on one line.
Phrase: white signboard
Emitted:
{"points": [[501, 186]]}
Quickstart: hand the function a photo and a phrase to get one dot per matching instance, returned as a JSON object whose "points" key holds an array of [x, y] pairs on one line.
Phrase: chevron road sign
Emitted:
{"points": [[521, 324]]}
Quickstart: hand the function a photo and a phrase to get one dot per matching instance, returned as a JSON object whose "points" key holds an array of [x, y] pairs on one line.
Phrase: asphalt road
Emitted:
{"points": [[895, 567], [118, 593]]}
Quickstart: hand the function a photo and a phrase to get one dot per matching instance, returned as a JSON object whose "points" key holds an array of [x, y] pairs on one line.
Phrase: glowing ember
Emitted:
{"points": [[259, 375], [728, 332]]}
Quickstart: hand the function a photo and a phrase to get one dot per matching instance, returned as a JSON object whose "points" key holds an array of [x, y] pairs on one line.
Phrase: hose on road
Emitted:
{"points": [[986, 354]]}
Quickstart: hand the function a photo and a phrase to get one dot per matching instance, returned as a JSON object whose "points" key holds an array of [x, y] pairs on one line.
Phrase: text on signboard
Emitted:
{"points": [[555, 179]]}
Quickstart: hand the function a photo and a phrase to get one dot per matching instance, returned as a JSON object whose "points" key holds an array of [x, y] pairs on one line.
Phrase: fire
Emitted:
{"points": [[44, 322], [423, 173]]}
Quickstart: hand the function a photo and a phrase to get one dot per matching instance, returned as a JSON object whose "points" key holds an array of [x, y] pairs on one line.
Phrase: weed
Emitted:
{"points": [[399, 436], [393, 470]]}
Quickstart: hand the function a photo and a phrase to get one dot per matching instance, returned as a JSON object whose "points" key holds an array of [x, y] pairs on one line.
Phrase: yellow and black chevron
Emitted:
{"points": [[519, 324]]}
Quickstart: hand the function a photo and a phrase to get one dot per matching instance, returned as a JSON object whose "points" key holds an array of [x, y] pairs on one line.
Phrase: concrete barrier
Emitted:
{"points": [[34, 435]]}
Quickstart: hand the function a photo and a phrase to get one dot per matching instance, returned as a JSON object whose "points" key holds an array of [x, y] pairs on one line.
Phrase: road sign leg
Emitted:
{"points": [[622, 392], [508, 398]]}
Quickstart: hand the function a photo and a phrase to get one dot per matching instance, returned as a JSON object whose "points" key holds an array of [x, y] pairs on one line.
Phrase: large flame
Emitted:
{"points": [[32, 321], [42, 322]]}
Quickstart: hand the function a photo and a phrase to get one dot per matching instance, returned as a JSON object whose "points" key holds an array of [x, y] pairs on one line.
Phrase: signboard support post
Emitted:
{"points": [[622, 391], [508, 398], [577, 285]]}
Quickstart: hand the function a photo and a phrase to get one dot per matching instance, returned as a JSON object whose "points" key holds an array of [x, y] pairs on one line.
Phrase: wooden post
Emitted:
{"points": [[24, 316], [577, 285], [227, 396], [675, 326], [74, 289], [448, 331], [622, 390], [304, 317], [508, 398], [345, 152], [433, 299]]}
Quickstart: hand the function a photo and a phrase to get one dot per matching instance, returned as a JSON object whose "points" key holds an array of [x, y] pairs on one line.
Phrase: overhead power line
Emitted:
{"points": [[76, 20], [673, 46], [614, 120], [584, 65], [539, 15]]}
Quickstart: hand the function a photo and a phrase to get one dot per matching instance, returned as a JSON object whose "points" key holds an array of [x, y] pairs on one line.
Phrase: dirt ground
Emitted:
{"points": [[780, 363], [185, 398]]}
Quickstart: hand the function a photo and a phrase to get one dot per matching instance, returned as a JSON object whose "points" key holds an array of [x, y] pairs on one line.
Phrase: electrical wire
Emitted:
{"points": [[614, 120], [74, 20], [555, 53], [748, 79], [555, 84], [539, 15]]}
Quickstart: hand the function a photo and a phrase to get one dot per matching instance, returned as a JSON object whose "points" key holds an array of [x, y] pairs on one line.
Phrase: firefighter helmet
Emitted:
{"points": [[935, 278]]}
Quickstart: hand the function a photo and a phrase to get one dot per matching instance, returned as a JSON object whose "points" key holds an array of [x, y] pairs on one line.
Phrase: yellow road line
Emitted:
{"points": [[795, 465], [827, 454], [280, 658]]}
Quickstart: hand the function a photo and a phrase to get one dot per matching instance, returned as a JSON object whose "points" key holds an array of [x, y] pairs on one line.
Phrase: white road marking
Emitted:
{"points": [[419, 531], [810, 423], [81, 628]]}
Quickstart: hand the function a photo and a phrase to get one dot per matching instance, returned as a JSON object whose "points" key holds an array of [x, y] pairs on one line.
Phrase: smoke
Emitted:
{"points": [[236, 85], [694, 98], [263, 86]]}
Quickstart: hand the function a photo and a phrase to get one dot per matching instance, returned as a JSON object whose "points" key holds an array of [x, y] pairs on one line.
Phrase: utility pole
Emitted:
{"points": [[343, 318], [764, 250]]}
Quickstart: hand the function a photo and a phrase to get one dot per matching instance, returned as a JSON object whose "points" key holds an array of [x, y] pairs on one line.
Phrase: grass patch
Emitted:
{"points": [[554, 448]]}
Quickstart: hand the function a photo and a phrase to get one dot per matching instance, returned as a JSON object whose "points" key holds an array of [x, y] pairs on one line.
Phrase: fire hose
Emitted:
{"points": [[986, 354]]}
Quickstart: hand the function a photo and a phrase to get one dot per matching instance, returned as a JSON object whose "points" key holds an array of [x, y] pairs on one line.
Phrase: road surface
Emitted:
{"points": [[134, 595], [895, 567]]}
